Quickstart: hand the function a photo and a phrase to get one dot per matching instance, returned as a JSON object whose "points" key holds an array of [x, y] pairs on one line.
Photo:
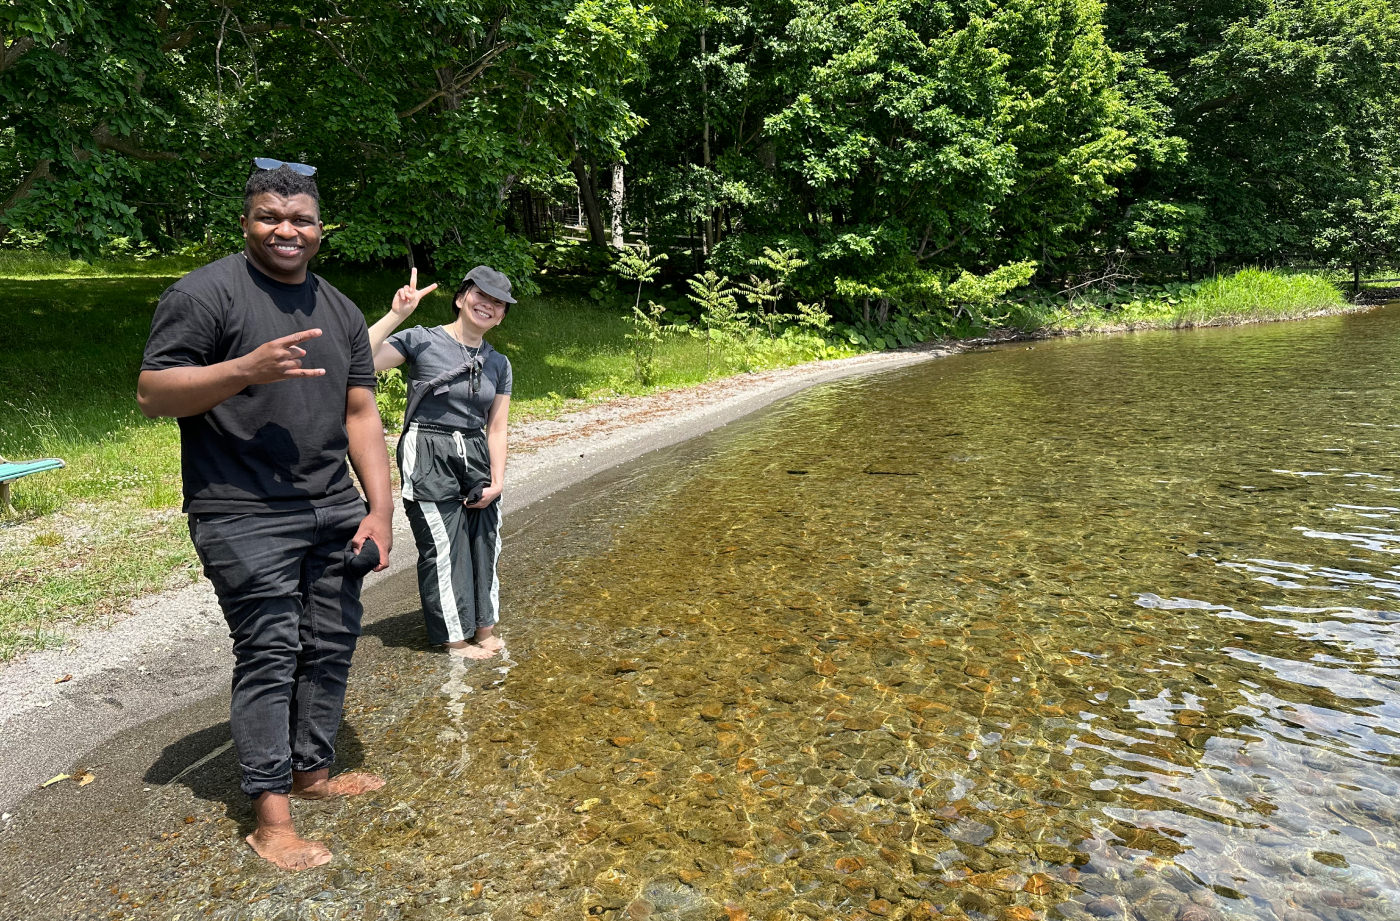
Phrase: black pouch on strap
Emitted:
{"points": [[439, 384]]}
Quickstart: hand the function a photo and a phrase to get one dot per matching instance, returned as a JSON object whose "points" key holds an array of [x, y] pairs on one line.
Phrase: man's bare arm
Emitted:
{"points": [[189, 391], [370, 458]]}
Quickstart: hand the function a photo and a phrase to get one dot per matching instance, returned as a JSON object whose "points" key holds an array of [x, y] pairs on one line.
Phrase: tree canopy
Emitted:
{"points": [[893, 147], [139, 119]]}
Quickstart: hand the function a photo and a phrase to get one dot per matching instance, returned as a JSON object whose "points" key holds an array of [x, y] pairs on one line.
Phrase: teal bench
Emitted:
{"points": [[11, 471]]}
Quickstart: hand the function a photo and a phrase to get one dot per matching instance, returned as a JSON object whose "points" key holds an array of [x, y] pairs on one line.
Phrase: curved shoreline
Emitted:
{"points": [[171, 651]]}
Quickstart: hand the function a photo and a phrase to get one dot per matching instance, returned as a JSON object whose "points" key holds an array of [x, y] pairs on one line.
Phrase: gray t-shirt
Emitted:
{"points": [[430, 351]]}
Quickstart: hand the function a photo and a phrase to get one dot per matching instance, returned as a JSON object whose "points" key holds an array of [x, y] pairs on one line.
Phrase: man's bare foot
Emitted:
{"points": [[352, 783], [470, 651], [283, 848]]}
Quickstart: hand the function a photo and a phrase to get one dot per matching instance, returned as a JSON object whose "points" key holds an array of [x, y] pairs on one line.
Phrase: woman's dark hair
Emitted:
{"points": [[467, 285], [281, 182]]}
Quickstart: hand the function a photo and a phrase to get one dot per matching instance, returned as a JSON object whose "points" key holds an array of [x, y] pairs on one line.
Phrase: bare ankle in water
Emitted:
{"points": [[487, 640], [320, 785], [276, 840]]}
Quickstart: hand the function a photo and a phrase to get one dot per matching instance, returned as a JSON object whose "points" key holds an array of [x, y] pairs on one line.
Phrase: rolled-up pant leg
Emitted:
{"points": [[294, 615]]}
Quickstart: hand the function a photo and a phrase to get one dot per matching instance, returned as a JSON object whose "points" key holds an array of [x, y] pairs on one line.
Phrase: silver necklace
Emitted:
{"points": [[470, 356]]}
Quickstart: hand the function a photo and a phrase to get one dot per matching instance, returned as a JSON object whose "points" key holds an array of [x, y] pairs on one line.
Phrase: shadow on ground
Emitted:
{"points": [[400, 631], [205, 763]]}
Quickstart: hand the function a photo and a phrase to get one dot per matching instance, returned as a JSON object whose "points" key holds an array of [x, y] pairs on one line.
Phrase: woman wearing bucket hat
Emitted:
{"points": [[452, 454]]}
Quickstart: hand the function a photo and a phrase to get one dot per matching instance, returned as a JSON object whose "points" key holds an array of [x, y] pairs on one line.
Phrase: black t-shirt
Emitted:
{"points": [[269, 447]]}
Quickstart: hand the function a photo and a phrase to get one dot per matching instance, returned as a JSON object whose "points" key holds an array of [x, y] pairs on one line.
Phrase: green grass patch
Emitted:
{"points": [[83, 566], [30, 265], [1247, 296], [565, 347]]}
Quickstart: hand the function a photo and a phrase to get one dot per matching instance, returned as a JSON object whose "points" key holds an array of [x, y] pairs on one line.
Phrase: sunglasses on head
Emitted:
{"points": [[267, 163]]}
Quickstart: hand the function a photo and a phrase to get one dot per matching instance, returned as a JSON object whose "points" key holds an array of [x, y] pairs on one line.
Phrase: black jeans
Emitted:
{"points": [[293, 611]]}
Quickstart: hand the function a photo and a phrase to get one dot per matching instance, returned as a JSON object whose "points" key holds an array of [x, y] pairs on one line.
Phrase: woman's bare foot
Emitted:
{"points": [[283, 848], [487, 639], [352, 783], [470, 651]]}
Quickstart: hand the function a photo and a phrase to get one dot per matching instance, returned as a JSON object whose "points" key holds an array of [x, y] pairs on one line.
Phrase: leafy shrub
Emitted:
{"points": [[572, 258], [391, 396], [645, 336], [644, 342]]}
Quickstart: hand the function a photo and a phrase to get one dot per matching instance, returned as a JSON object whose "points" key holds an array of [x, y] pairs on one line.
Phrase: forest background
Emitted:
{"points": [[908, 157]]}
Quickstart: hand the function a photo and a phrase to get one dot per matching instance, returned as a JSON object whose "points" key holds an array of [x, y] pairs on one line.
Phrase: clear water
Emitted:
{"points": [[1094, 629]]}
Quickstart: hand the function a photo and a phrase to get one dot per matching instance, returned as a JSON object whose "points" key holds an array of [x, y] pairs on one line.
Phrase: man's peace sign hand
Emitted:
{"points": [[280, 359], [406, 298]]}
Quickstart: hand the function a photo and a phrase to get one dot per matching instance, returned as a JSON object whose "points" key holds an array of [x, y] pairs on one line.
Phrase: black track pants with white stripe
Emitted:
{"points": [[457, 546]]}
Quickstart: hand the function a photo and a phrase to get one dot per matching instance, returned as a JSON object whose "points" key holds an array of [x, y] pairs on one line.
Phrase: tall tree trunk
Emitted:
{"points": [[618, 194], [589, 201], [709, 221], [40, 171]]}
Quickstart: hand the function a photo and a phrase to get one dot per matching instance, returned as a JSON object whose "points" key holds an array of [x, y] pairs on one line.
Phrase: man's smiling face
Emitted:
{"points": [[281, 235]]}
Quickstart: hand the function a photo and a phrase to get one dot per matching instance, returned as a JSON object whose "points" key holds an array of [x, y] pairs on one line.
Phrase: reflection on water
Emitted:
{"points": [[1098, 629]]}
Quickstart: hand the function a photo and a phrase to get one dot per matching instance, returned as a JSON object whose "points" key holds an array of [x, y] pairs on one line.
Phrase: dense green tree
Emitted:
{"points": [[898, 147], [1285, 113], [86, 115], [420, 116], [894, 143]]}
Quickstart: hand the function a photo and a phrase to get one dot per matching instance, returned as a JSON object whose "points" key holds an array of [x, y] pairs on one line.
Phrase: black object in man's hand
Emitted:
{"points": [[363, 563]]}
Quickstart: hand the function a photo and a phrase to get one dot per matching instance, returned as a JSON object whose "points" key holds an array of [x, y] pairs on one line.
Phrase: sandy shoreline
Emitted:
{"points": [[172, 649]]}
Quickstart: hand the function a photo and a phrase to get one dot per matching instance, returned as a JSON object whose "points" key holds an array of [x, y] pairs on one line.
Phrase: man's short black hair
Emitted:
{"points": [[281, 182]]}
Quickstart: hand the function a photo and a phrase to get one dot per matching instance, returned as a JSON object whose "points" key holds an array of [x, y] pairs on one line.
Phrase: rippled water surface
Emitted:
{"points": [[1094, 629]]}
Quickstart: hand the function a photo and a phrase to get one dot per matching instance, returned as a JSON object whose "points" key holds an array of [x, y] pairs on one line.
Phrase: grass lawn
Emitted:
{"points": [[1247, 296], [562, 346]]}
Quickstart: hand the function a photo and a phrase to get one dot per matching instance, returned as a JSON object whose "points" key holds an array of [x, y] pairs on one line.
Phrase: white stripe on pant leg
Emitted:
{"points": [[495, 580], [447, 598], [410, 460]]}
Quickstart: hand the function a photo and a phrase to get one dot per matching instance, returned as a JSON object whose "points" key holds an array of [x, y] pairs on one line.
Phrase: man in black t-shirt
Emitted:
{"points": [[268, 370]]}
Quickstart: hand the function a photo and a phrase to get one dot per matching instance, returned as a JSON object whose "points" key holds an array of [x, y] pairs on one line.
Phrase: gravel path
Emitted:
{"points": [[172, 650]]}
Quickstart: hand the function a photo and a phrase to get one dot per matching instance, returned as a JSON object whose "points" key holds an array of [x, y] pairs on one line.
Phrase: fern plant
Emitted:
{"points": [[726, 326], [646, 333]]}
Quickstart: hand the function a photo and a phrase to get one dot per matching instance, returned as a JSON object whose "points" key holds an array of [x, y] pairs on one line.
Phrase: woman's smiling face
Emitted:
{"points": [[480, 310]]}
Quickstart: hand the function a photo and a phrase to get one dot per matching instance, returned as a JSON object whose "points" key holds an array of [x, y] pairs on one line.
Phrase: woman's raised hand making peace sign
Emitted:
{"points": [[404, 303], [406, 298]]}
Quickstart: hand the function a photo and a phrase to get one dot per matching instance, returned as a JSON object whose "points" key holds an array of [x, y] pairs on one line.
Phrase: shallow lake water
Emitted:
{"points": [[1090, 629]]}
